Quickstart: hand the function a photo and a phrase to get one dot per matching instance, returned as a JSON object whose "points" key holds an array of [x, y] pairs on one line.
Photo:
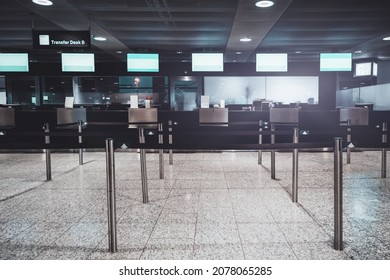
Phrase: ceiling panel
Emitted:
{"points": [[166, 26]]}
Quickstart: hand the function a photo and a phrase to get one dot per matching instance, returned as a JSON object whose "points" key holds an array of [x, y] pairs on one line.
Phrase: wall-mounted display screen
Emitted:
{"points": [[271, 62], [363, 69], [78, 62], [207, 62], [367, 68], [14, 62], [336, 62], [142, 62]]}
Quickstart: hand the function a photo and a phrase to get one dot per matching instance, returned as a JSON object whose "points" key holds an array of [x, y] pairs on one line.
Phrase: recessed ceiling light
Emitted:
{"points": [[119, 52], [179, 52], [358, 51], [298, 52], [246, 39], [43, 2], [99, 38], [386, 39], [264, 4], [238, 52]]}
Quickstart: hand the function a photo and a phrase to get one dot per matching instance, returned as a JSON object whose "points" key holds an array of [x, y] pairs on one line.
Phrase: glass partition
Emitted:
{"points": [[377, 95], [234, 90], [243, 90], [347, 97], [185, 93], [55, 89], [23, 90]]}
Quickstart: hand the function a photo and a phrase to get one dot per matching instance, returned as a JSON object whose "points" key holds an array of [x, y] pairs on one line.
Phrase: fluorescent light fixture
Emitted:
{"points": [[78, 62], [245, 39], [271, 62], [99, 38], [386, 38], [335, 61], [207, 62], [264, 4], [14, 62], [143, 62], [43, 2]]}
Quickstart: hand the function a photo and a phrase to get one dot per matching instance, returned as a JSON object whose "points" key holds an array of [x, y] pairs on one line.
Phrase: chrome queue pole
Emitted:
{"points": [[384, 150], [273, 176], [260, 153], [80, 130], [111, 196], [349, 140], [338, 194], [295, 167], [144, 176], [170, 141], [161, 151], [47, 152]]}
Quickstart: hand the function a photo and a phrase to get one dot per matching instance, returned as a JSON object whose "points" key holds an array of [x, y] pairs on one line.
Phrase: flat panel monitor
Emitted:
{"points": [[363, 69], [271, 62], [336, 62], [14, 62], [78, 62], [207, 62], [142, 62]]}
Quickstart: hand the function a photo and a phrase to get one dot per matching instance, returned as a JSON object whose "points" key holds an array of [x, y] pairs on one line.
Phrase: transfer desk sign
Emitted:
{"points": [[58, 39]]}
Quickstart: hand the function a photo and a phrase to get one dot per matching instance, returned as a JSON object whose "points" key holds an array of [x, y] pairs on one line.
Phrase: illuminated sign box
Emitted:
{"points": [[207, 62], [78, 62], [336, 62], [61, 39], [271, 62], [14, 62], [142, 62], [365, 69]]}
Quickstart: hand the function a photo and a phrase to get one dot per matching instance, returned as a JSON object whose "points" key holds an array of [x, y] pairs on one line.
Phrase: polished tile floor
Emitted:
{"points": [[209, 206]]}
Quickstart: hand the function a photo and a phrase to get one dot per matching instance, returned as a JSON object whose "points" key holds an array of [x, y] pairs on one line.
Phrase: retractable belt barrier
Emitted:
{"points": [[48, 144]]}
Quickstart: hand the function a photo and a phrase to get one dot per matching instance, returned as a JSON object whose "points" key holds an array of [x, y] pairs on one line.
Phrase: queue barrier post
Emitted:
{"points": [[111, 196]]}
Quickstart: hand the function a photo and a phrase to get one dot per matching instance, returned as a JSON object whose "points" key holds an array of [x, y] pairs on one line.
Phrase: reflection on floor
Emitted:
{"points": [[209, 206]]}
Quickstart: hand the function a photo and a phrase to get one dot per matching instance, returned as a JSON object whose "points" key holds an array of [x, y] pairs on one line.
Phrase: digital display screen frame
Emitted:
{"points": [[207, 62], [78, 62], [14, 62], [335, 62], [271, 62], [143, 62]]}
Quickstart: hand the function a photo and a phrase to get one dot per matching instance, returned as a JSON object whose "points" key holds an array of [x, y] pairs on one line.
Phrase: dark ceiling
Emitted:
{"points": [[176, 28]]}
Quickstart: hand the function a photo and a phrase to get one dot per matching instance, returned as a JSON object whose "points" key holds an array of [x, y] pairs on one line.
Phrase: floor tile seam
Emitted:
{"points": [[236, 224], [155, 224], [323, 230], [54, 240], [22, 193], [97, 246]]}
